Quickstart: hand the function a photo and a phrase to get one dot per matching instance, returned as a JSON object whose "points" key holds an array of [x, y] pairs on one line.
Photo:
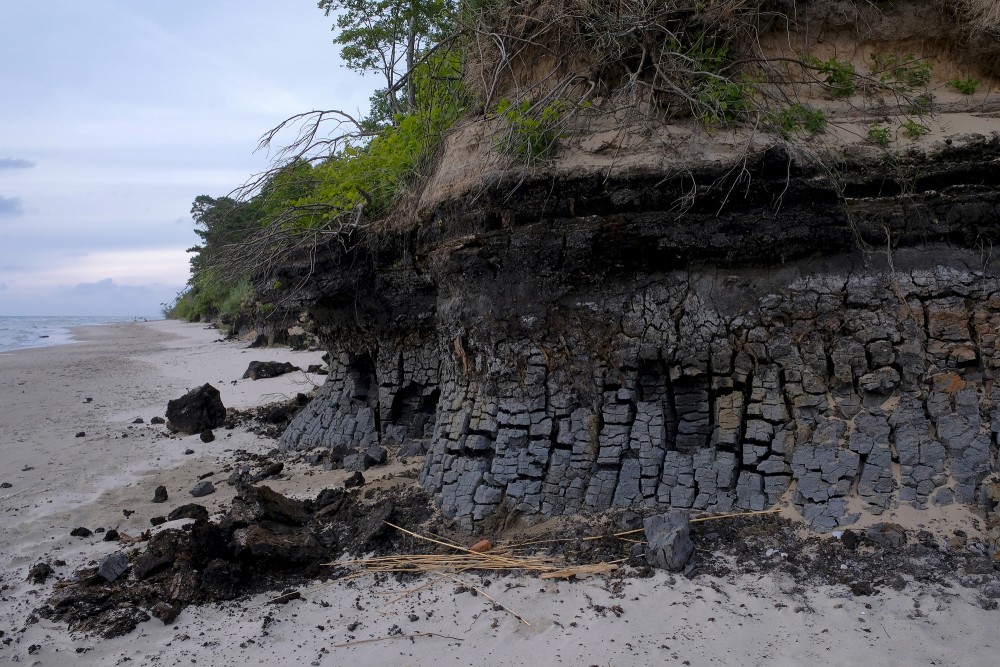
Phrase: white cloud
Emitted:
{"points": [[124, 267], [128, 111]]}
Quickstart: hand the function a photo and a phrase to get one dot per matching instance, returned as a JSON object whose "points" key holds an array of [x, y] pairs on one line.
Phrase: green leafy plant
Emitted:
{"points": [[798, 118], [533, 131], [966, 86], [719, 99], [841, 77], [921, 105], [908, 71], [880, 135], [913, 130]]}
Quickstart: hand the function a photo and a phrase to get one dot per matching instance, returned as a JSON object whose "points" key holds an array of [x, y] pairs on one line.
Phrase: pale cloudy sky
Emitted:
{"points": [[116, 114]]}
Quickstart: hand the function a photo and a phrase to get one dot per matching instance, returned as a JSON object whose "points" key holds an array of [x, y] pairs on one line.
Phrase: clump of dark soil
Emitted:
{"points": [[856, 560], [265, 541]]}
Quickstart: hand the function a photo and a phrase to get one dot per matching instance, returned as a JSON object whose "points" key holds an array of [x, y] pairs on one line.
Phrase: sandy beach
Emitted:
{"points": [[114, 375]]}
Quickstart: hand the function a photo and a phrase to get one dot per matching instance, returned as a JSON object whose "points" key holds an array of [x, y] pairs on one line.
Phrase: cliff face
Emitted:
{"points": [[664, 316], [584, 344]]}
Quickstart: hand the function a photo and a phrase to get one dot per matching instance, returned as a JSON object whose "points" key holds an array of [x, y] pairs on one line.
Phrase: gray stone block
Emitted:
{"points": [[668, 540], [112, 567]]}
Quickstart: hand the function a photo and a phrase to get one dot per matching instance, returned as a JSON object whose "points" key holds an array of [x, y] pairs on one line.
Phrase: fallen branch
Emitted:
{"points": [[12, 495], [488, 597], [391, 637]]}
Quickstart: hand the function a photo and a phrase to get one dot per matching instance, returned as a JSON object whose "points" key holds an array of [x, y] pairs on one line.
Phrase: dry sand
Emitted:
{"points": [[59, 481]]}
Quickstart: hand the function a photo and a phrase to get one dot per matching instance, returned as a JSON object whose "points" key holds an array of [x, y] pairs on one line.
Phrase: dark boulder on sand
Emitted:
{"points": [[202, 488], [259, 370], [196, 411], [160, 494]]}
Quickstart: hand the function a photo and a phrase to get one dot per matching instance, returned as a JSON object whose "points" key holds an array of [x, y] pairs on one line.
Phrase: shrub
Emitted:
{"points": [[908, 70], [966, 86], [880, 135], [533, 131], [913, 130], [922, 104], [797, 118], [841, 77]]}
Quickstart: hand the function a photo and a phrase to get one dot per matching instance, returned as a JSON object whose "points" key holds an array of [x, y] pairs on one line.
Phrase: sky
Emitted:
{"points": [[116, 114]]}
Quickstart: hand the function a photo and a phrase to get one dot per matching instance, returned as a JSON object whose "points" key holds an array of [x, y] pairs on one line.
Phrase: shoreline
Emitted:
{"points": [[53, 331], [130, 370]]}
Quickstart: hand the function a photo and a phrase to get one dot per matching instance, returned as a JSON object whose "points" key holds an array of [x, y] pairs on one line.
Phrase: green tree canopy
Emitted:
{"points": [[387, 37]]}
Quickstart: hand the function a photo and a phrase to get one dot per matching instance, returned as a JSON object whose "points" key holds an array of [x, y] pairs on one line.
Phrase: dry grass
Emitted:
{"points": [[466, 560], [981, 16]]}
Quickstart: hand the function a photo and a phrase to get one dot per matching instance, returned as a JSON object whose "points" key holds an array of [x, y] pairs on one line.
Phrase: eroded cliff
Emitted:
{"points": [[699, 332]]}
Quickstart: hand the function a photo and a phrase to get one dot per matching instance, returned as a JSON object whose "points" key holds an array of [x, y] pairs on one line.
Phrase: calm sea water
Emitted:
{"points": [[21, 332]]}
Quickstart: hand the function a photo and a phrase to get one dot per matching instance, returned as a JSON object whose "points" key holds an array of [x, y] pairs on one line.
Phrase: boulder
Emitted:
{"points": [[166, 612], [260, 370], [376, 456], [197, 410], [354, 481], [189, 511], [202, 488], [113, 566], [160, 494], [260, 341], [260, 504], [356, 462], [668, 540], [889, 535], [410, 449], [270, 470], [39, 572]]}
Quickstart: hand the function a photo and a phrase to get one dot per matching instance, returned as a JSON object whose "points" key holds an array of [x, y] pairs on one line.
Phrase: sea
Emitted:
{"points": [[17, 332]]}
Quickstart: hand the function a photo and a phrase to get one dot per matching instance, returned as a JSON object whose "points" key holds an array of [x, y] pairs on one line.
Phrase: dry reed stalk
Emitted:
{"points": [[391, 637], [488, 597]]}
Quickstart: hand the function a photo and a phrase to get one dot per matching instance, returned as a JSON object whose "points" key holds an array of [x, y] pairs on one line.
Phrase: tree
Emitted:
{"points": [[388, 36]]}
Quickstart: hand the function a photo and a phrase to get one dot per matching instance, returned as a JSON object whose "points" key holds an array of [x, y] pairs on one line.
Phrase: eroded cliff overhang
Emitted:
{"points": [[575, 346]]}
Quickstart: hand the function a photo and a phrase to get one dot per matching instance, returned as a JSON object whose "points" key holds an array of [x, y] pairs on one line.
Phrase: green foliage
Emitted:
{"points": [[922, 105], [907, 71], [798, 118], [841, 77], [359, 181], [966, 86], [913, 130], [386, 36], [237, 299], [721, 100], [533, 131], [880, 135], [374, 174]]}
